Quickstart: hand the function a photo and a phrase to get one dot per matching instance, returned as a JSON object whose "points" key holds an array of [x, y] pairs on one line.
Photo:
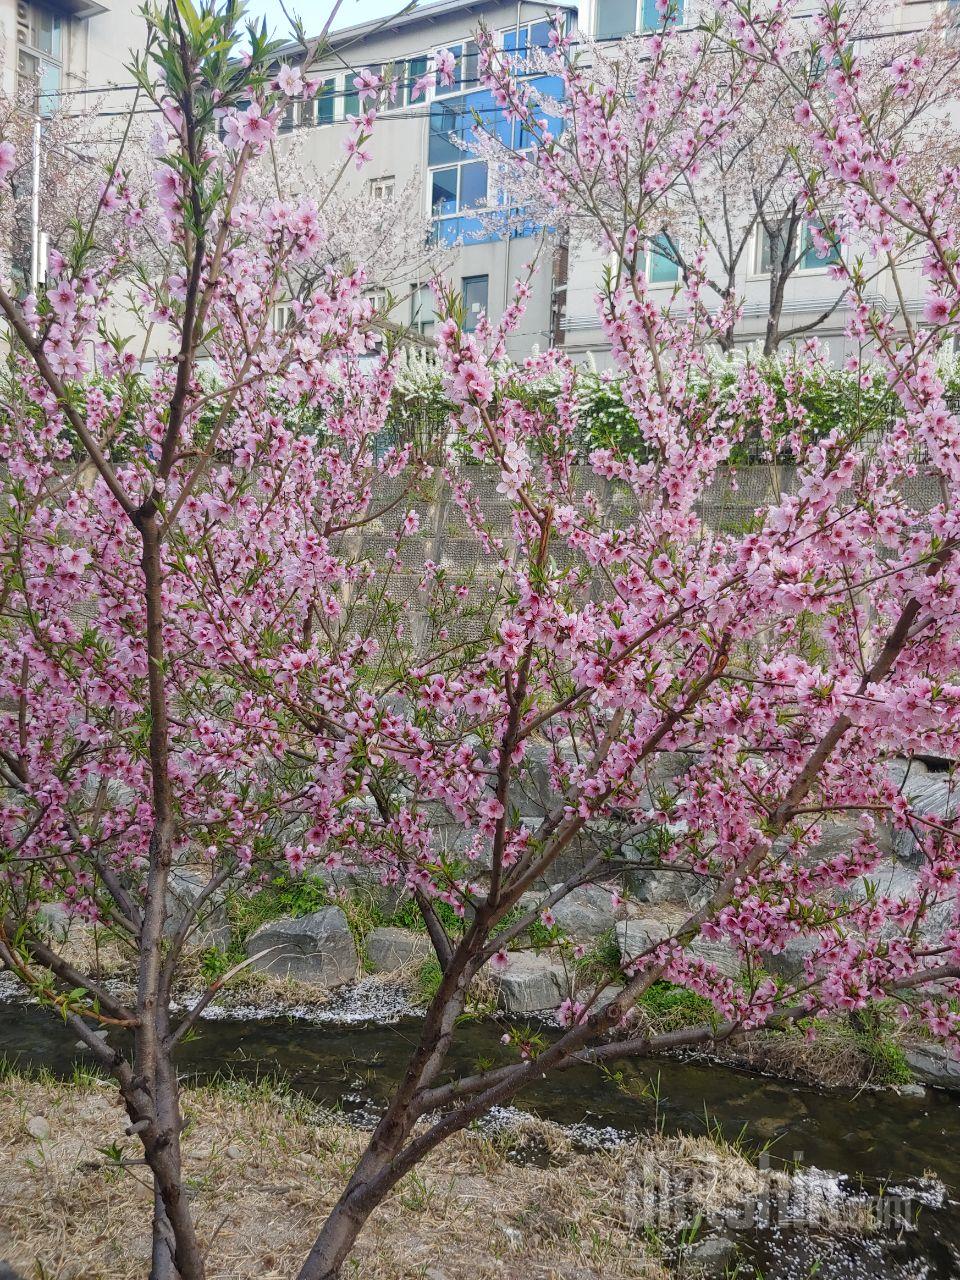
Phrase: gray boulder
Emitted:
{"points": [[54, 921], [643, 932], [663, 885], [788, 963], [930, 792], [317, 948], [585, 912], [837, 835], [934, 1064], [713, 1255], [605, 997], [639, 934], [184, 887], [362, 882], [390, 949], [531, 984], [895, 879], [720, 953]]}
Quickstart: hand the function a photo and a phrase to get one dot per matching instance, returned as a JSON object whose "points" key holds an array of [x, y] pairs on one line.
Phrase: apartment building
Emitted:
{"points": [[415, 141], [75, 52], [61, 56], [67, 45]]}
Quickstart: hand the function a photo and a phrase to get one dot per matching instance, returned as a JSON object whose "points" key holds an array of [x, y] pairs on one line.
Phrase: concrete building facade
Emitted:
{"points": [[67, 46], [63, 57], [416, 140], [75, 52]]}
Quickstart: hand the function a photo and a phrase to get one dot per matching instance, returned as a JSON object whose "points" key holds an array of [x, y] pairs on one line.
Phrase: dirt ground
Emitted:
{"points": [[263, 1167]]}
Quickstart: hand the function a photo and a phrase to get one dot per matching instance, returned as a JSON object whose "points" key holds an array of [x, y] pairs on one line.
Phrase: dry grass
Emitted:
{"points": [[834, 1058], [263, 1169], [95, 950]]}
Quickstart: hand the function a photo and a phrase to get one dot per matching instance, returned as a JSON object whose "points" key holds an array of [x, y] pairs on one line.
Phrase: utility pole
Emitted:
{"points": [[36, 237]]}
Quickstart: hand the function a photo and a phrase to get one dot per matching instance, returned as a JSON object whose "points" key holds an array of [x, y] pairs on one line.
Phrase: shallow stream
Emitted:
{"points": [[882, 1141]]}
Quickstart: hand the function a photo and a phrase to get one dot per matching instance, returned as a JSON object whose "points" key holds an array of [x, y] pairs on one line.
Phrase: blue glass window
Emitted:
{"points": [[651, 19], [469, 72], [811, 259], [772, 248], [415, 68], [447, 120], [539, 37], [473, 184], [661, 269], [326, 100], [443, 89], [443, 198], [515, 41], [453, 125]]}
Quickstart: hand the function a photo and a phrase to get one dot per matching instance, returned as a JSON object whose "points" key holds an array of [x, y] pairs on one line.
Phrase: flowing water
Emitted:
{"points": [[874, 1140]]}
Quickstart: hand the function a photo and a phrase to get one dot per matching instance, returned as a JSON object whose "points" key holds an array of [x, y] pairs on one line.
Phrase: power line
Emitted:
{"points": [[395, 112]]}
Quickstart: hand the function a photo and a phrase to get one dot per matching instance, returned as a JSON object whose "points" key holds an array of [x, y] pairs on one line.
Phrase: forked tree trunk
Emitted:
{"points": [[346, 1220]]}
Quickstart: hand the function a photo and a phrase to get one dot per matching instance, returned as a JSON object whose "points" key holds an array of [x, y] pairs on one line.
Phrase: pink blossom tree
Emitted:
{"points": [[197, 665]]}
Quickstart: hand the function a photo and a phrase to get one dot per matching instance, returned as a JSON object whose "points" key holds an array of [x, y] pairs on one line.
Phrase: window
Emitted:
{"points": [[526, 38], [470, 70], [806, 255], [443, 196], [45, 32], [382, 188], [458, 181], [351, 96], [651, 18], [475, 291], [816, 258], [282, 315], [416, 68], [617, 18], [456, 189], [39, 65], [442, 90], [326, 101], [473, 184], [660, 267]]}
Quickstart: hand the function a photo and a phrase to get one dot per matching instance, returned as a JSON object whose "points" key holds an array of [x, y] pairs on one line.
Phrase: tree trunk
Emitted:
{"points": [[339, 1233], [154, 1070], [162, 1265], [167, 1166]]}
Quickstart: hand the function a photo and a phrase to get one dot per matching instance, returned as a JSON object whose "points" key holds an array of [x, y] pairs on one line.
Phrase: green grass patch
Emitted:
{"points": [[216, 961], [429, 977], [283, 895], [407, 916], [886, 1061], [601, 960], [670, 1007]]}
